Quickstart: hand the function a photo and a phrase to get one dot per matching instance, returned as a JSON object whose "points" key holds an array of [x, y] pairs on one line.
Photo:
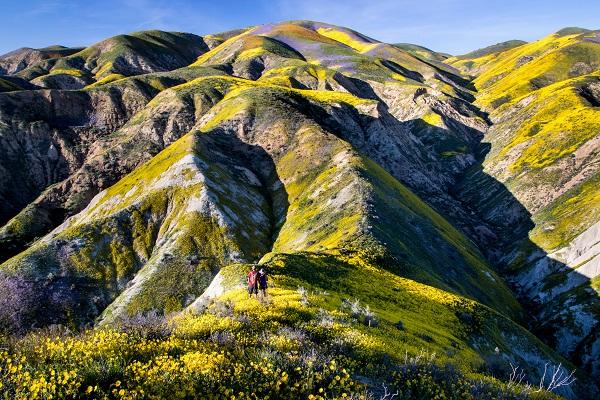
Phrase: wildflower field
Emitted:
{"points": [[300, 342]]}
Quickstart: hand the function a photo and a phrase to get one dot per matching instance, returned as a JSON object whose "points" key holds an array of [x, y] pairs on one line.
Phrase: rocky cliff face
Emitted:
{"points": [[172, 156]]}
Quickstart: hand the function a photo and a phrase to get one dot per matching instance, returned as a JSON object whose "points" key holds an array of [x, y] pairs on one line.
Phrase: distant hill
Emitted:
{"points": [[495, 48], [422, 51], [17, 60]]}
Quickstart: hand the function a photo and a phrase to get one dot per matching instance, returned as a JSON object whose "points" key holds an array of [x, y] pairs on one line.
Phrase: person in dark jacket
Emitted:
{"points": [[251, 279], [262, 282]]}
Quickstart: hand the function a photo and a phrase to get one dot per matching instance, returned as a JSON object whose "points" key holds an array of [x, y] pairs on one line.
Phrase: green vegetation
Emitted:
{"points": [[541, 99], [307, 342], [514, 73], [559, 122], [8, 86], [350, 39], [422, 52], [122, 55], [569, 215], [543, 80], [496, 48], [107, 79], [66, 71]]}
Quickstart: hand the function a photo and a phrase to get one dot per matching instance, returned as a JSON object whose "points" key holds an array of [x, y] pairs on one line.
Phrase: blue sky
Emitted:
{"points": [[453, 26]]}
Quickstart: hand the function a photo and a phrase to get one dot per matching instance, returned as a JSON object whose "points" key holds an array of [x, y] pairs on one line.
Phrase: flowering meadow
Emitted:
{"points": [[297, 343]]}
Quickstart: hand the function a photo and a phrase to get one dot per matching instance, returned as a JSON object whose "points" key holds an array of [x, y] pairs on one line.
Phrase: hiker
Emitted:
{"points": [[262, 282], [252, 284]]}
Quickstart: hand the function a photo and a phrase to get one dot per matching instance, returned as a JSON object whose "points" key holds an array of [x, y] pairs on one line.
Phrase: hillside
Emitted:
{"points": [[423, 52], [20, 59], [542, 100], [382, 191], [473, 62]]}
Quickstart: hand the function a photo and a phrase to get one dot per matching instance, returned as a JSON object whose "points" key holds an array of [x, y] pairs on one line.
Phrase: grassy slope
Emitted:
{"points": [[153, 224], [334, 195], [553, 121], [300, 231], [476, 61], [543, 141], [423, 342], [125, 143], [552, 61], [422, 52], [495, 48], [326, 45], [556, 123], [309, 345]]}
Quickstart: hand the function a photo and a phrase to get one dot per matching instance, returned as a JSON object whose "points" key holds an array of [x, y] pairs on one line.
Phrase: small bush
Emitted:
{"points": [[400, 325], [361, 314], [303, 295], [148, 324], [18, 297], [221, 308]]}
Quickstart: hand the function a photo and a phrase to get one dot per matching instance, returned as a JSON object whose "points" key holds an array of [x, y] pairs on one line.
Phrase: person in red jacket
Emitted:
{"points": [[251, 279]]}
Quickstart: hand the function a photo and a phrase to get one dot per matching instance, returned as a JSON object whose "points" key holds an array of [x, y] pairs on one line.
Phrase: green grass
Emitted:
{"points": [[569, 215], [559, 122], [294, 345], [551, 57]]}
